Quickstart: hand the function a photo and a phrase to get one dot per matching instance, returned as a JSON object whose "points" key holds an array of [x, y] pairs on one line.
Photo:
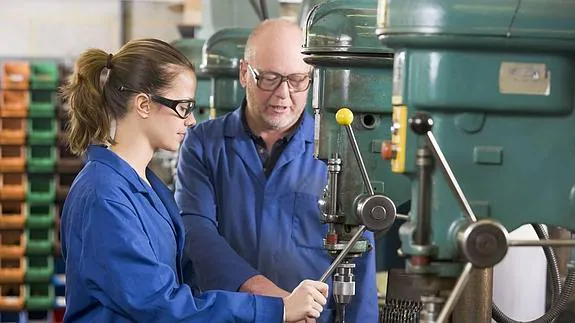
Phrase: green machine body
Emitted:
{"points": [[221, 56], [192, 48], [497, 80]]}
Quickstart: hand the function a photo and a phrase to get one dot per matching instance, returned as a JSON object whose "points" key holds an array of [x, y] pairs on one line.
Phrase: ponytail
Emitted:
{"points": [[89, 116]]}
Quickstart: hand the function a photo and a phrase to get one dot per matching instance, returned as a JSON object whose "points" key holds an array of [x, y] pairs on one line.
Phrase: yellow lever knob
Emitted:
{"points": [[344, 117]]}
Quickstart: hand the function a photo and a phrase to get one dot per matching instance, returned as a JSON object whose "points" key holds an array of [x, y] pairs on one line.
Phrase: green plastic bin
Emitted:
{"points": [[39, 297], [39, 242], [42, 130], [40, 216], [41, 159], [41, 188], [40, 269], [42, 103], [44, 75]]}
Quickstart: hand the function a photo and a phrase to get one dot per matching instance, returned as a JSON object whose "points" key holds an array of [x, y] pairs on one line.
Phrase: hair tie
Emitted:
{"points": [[109, 62]]}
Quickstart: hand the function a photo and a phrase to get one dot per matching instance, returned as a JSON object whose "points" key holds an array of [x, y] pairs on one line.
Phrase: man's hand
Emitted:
{"points": [[260, 285]]}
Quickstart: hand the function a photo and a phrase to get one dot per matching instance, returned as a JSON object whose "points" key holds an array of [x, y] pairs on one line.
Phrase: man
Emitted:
{"points": [[248, 184]]}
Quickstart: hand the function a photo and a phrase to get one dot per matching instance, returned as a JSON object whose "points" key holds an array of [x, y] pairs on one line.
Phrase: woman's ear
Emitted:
{"points": [[143, 105]]}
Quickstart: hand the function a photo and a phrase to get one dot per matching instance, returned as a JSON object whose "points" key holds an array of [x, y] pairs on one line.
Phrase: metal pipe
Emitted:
{"points": [[474, 305], [451, 180], [422, 233], [264, 8], [343, 253], [126, 10], [455, 293], [362, 169]]}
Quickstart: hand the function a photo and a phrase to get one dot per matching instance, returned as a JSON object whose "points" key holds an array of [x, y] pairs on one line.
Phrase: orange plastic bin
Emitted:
{"points": [[13, 131], [16, 75], [12, 215], [12, 297], [13, 186], [12, 159], [14, 103]]}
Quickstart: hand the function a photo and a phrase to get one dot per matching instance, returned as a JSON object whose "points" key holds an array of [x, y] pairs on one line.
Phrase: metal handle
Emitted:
{"points": [[359, 159], [451, 180], [421, 124], [344, 117], [541, 243]]}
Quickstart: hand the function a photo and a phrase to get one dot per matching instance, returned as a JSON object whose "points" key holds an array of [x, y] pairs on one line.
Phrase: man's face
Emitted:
{"points": [[275, 103]]}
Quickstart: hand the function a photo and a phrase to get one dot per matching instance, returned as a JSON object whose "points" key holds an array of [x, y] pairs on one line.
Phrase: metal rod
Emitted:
{"points": [[455, 293], [343, 253], [451, 180], [422, 233], [334, 165], [402, 216], [539, 243], [359, 159], [256, 9]]}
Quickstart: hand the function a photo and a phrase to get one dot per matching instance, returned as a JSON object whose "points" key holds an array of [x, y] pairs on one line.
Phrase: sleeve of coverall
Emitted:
{"points": [[364, 307], [123, 273], [216, 265]]}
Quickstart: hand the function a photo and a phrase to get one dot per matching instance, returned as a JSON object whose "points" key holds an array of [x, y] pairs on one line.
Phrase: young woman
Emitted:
{"points": [[122, 235]]}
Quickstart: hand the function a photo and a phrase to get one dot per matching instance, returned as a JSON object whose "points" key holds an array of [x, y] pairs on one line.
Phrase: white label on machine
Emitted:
{"points": [[524, 78]]}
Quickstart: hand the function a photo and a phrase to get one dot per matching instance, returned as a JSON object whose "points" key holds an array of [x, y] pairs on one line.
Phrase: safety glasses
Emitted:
{"points": [[183, 108], [270, 81]]}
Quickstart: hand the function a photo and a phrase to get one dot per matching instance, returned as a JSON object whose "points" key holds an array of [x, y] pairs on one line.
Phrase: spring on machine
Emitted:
{"points": [[400, 311]]}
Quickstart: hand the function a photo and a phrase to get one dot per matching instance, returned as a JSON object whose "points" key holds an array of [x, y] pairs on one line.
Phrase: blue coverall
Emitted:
{"points": [[122, 241], [240, 223]]}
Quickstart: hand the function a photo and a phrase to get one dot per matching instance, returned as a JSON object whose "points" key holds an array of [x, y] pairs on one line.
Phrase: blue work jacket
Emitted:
{"points": [[240, 223], [122, 241]]}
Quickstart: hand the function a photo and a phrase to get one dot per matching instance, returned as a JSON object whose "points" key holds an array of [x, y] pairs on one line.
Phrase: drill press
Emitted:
{"points": [[483, 116], [351, 69]]}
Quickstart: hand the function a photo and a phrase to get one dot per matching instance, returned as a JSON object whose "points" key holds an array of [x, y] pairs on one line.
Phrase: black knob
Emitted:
{"points": [[420, 123]]}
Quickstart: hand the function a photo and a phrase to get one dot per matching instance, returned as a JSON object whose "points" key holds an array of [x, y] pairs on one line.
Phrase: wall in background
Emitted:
{"points": [[57, 28], [64, 28], [154, 19]]}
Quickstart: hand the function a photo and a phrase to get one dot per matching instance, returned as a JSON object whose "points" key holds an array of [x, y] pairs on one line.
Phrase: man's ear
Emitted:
{"points": [[243, 73], [143, 105]]}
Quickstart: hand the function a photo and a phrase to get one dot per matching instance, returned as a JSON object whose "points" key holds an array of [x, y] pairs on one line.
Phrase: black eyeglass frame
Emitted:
{"points": [[168, 103], [283, 78]]}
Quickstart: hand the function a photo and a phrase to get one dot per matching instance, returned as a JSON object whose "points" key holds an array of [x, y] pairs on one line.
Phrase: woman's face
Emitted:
{"points": [[167, 129]]}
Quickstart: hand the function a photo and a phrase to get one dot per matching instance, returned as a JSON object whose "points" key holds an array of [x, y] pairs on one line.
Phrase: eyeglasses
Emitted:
{"points": [[270, 81], [183, 108]]}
